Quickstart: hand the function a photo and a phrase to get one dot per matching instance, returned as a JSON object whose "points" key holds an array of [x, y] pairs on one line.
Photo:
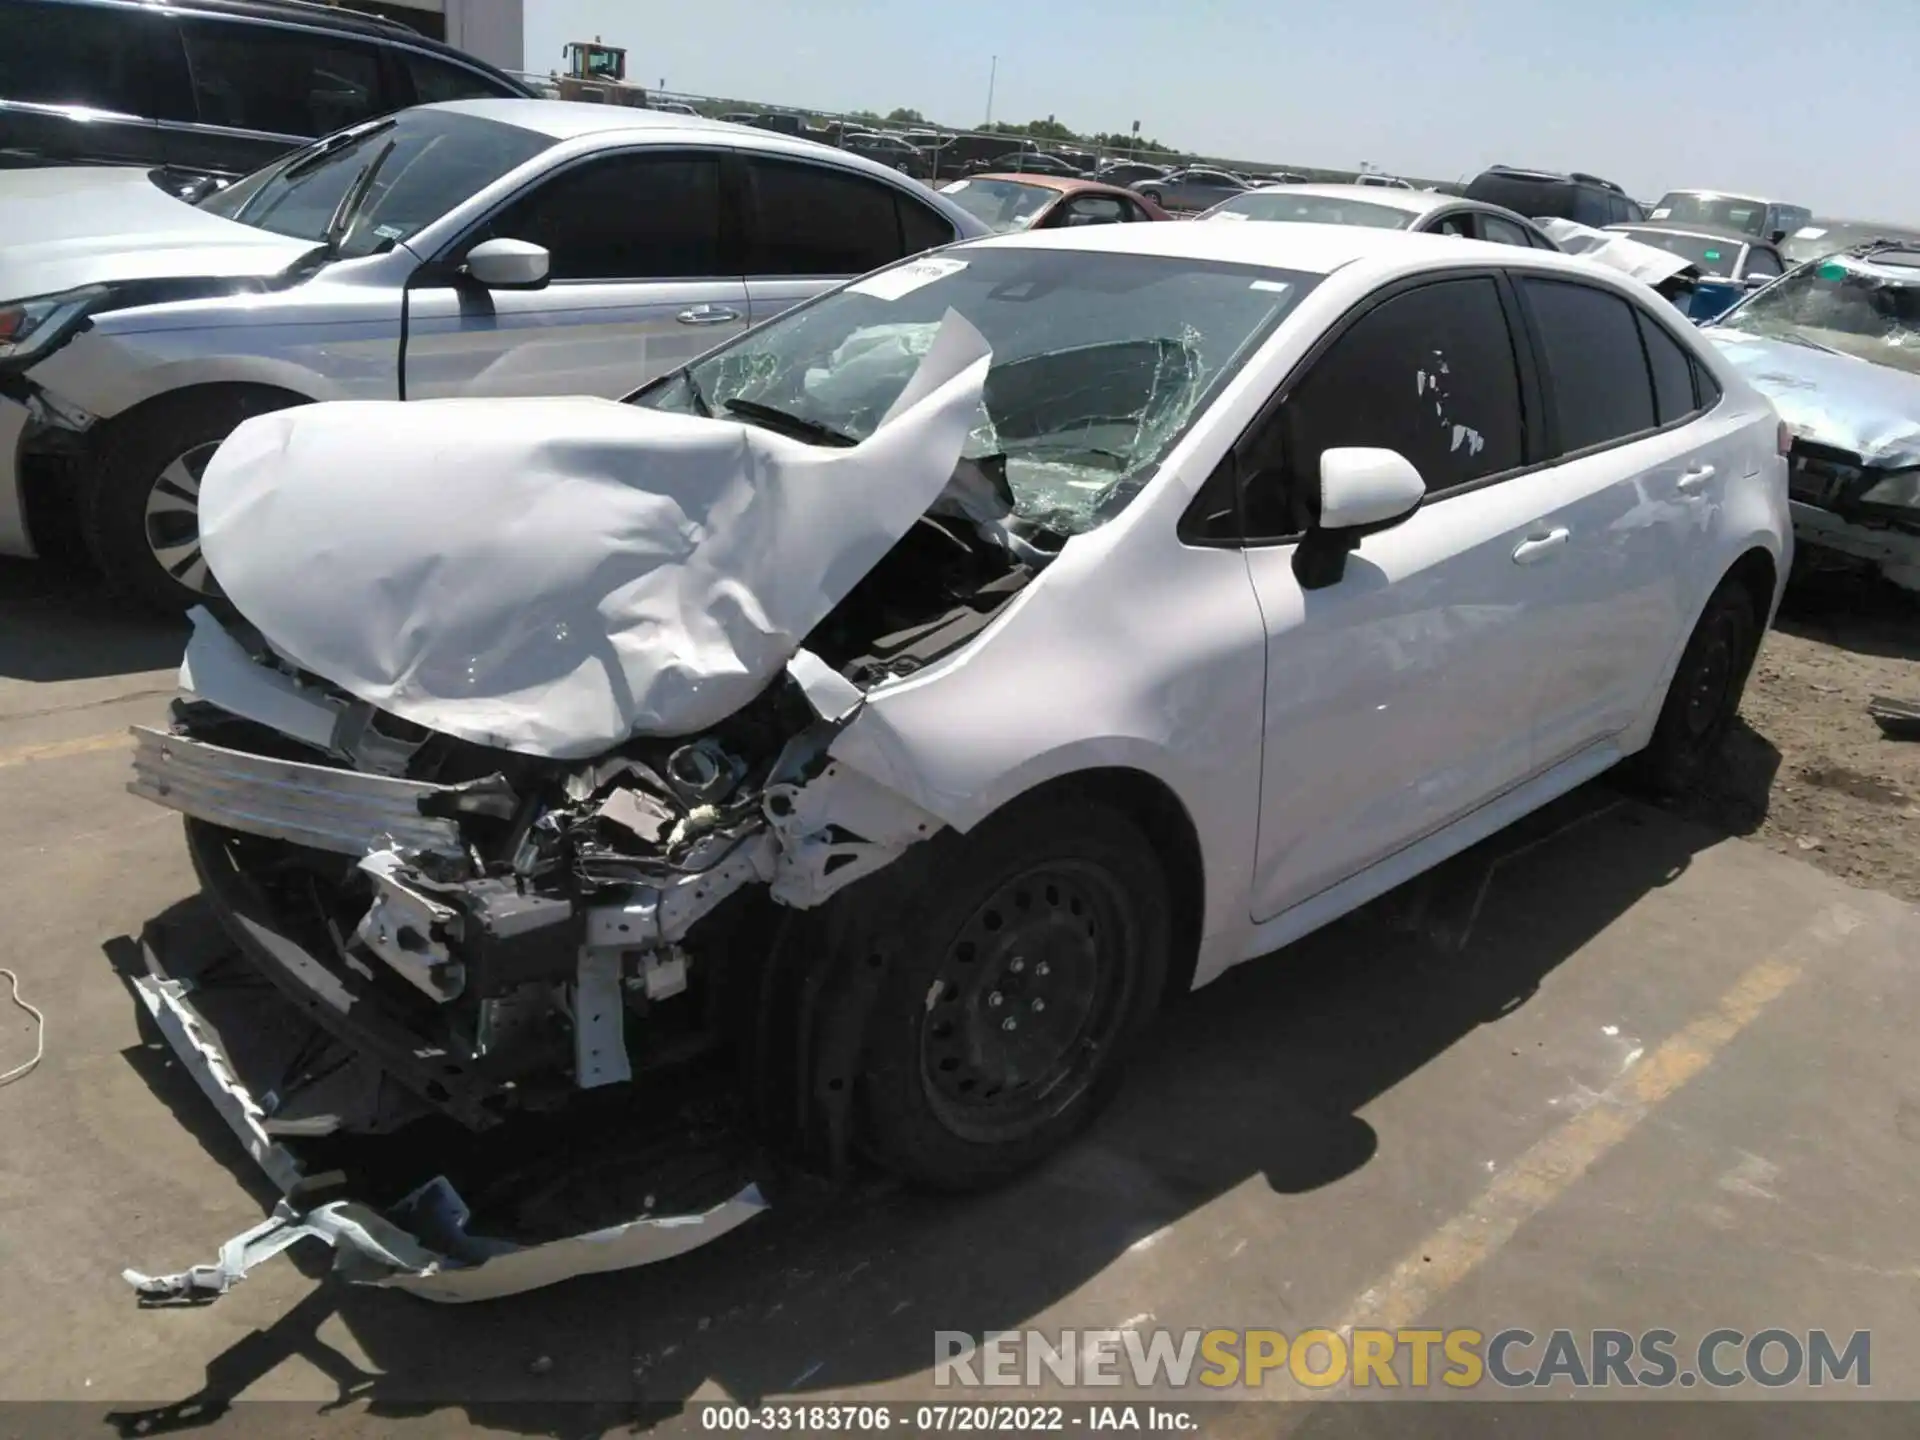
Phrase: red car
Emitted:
{"points": [[1005, 202]]}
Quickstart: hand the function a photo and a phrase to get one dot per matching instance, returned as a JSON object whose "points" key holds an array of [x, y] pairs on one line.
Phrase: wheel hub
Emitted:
{"points": [[1021, 1001], [173, 520]]}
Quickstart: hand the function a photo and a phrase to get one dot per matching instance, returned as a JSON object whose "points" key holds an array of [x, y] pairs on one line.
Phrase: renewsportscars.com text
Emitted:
{"points": [[1320, 1359]]}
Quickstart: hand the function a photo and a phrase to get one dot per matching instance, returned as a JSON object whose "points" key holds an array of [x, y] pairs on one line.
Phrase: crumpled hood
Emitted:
{"points": [[1616, 251], [552, 576], [90, 225], [1832, 399]]}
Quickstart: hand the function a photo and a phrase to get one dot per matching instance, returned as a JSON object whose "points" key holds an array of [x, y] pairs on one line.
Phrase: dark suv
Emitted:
{"points": [[1542, 194], [208, 87]]}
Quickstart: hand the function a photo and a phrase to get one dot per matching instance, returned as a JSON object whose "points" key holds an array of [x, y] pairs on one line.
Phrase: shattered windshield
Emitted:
{"points": [[1824, 237], [1869, 308], [1311, 210], [1710, 256], [1001, 204], [1728, 212], [438, 159], [1099, 361]]}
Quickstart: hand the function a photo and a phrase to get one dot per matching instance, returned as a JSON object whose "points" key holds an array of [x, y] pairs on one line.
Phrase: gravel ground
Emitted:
{"points": [[1809, 772]]}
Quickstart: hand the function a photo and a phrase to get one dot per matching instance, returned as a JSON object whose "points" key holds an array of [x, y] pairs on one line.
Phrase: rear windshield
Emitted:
{"points": [[1713, 257], [1001, 205], [1728, 212], [1311, 210]]}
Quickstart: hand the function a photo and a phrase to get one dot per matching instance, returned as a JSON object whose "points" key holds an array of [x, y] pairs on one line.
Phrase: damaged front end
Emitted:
{"points": [[478, 930]]}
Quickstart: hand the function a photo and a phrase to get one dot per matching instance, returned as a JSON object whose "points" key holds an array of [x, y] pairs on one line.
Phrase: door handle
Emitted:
{"points": [[1539, 547], [1696, 477], [708, 315]]}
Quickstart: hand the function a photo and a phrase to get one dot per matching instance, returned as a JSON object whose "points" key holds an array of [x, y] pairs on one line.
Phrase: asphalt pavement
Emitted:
{"points": [[1608, 1070]]}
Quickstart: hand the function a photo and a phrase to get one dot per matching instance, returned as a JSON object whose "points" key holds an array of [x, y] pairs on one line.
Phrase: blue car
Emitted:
{"points": [[1729, 263]]}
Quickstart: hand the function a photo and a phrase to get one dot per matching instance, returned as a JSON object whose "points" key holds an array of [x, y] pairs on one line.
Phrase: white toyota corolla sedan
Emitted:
{"points": [[909, 696]]}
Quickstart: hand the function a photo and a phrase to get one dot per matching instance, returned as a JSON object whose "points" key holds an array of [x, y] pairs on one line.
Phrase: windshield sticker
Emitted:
{"points": [[1228, 215], [955, 188], [1830, 271], [905, 279], [1662, 213], [390, 232], [1713, 254], [1277, 287], [1809, 232]]}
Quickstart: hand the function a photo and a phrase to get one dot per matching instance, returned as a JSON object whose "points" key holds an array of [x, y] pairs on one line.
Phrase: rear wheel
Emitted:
{"points": [[1704, 695], [142, 512], [1018, 987]]}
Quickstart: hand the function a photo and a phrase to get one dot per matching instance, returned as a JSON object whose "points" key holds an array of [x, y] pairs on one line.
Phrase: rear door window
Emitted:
{"points": [[437, 80], [1594, 362], [1672, 371], [1591, 206], [1503, 232], [921, 226], [653, 215], [280, 81], [820, 221], [75, 55]]}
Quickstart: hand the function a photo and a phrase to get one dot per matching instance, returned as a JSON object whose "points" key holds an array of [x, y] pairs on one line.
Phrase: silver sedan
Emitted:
{"points": [[483, 247]]}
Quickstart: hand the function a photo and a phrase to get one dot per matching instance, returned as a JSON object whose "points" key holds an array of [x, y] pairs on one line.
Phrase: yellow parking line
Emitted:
{"points": [[60, 749], [1546, 1171]]}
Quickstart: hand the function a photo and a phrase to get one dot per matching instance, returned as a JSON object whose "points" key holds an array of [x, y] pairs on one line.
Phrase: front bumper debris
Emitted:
{"points": [[1894, 553], [344, 812], [421, 1243]]}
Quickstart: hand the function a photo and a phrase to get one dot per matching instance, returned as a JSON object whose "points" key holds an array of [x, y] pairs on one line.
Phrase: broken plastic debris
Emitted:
{"points": [[422, 1246]]}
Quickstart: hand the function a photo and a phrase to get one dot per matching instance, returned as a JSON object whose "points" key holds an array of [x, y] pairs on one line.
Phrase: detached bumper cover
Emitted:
{"points": [[422, 1243]]}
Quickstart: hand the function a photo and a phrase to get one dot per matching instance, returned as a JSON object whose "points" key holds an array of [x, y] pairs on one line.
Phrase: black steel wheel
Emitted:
{"points": [[1023, 960], [1021, 1007], [1704, 695]]}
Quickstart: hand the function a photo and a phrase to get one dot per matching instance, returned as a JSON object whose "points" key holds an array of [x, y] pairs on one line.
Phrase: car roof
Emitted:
{"points": [[1065, 184], [1701, 232], [324, 17], [1392, 197], [570, 119], [1724, 195], [1310, 248]]}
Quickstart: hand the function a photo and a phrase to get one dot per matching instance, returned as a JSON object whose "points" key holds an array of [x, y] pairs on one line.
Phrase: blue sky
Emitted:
{"points": [[1806, 103]]}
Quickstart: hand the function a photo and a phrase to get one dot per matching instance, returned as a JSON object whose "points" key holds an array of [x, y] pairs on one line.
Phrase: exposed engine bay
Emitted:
{"points": [[544, 924]]}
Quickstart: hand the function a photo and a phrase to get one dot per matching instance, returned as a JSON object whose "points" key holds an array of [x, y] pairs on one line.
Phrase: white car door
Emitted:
{"points": [[813, 225], [1634, 483], [1397, 698], [637, 250]]}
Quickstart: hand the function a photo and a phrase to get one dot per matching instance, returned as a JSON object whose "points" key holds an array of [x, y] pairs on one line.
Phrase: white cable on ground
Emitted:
{"points": [[40, 1036]]}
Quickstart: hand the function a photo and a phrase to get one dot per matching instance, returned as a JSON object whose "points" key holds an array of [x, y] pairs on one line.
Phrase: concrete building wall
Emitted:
{"points": [[493, 30]]}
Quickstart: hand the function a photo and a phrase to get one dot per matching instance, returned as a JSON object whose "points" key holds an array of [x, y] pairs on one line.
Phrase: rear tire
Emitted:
{"points": [[1020, 980], [1704, 695], [141, 513]]}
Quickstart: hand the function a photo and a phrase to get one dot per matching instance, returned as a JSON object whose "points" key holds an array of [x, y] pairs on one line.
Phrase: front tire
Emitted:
{"points": [[1021, 979], [1704, 695], [142, 511]]}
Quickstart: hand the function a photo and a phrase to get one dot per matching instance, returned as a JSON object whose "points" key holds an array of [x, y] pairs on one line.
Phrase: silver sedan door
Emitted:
{"points": [[636, 252]]}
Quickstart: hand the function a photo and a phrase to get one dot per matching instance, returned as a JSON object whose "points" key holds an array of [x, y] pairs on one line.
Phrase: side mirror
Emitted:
{"points": [[1362, 490], [508, 265], [1776, 237]]}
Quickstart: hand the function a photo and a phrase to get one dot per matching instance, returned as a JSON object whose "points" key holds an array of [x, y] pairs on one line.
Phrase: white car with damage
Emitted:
{"points": [[911, 696]]}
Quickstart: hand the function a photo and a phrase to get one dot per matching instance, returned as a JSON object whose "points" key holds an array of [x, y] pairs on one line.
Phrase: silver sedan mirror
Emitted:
{"points": [[508, 264]]}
